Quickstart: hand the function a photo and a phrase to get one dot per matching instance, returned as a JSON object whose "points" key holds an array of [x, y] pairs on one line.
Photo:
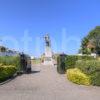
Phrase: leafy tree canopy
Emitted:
{"points": [[92, 38]]}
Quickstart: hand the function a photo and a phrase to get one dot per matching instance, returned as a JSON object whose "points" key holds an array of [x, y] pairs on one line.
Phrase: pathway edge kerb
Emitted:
{"points": [[8, 80]]}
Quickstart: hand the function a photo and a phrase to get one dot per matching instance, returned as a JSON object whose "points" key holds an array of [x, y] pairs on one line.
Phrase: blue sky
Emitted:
{"points": [[67, 22]]}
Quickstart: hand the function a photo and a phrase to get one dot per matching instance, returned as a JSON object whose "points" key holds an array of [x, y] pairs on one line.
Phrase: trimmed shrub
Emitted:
{"points": [[11, 60], [65, 62], [91, 68], [95, 78], [71, 60], [85, 57], [61, 66], [77, 76], [88, 67], [6, 72], [9, 65]]}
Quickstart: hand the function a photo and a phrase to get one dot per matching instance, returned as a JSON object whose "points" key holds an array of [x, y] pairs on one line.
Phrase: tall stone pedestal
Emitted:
{"points": [[48, 60]]}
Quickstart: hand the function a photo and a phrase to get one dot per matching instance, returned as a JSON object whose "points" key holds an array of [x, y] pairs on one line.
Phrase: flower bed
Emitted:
{"points": [[85, 73], [77, 76], [6, 72], [9, 65]]}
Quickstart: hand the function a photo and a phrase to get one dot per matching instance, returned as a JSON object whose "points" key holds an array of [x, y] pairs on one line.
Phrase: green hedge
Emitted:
{"points": [[11, 60], [95, 78], [71, 60], [61, 65], [88, 67], [77, 76], [91, 68], [9, 65], [6, 72]]}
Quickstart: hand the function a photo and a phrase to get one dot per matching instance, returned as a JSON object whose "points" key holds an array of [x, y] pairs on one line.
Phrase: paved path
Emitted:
{"points": [[46, 84]]}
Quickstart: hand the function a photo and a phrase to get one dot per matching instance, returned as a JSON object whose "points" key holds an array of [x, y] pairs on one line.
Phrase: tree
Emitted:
{"points": [[84, 49], [91, 43], [2, 49]]}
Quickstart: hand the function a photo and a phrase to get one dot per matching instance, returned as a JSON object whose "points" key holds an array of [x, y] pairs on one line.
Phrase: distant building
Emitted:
{"points": [[91, 46]]}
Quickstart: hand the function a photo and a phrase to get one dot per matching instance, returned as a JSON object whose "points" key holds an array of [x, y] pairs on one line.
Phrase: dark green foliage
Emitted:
{"points": [[3, 49], [61, 64], [95, 77], [85, 58], [87, 64], [9, 65], [88, 67], [84, 49], [91, 68], [10, 60], [94, 38], [71, 60], [6, 72]]}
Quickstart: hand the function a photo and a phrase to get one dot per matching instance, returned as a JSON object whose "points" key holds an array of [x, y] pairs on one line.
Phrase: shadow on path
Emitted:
{"points": [[34, 72]]}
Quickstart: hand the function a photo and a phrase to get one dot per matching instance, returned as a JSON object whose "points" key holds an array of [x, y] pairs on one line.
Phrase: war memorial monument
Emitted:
{"points": [[48, 58]]}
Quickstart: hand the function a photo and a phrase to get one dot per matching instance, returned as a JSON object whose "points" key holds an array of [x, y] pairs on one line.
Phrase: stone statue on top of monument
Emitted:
{"points": [[47, 40]]}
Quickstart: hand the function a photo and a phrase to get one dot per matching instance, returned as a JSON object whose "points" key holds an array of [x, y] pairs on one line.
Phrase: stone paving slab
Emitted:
{"points": [[46, 84]]}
